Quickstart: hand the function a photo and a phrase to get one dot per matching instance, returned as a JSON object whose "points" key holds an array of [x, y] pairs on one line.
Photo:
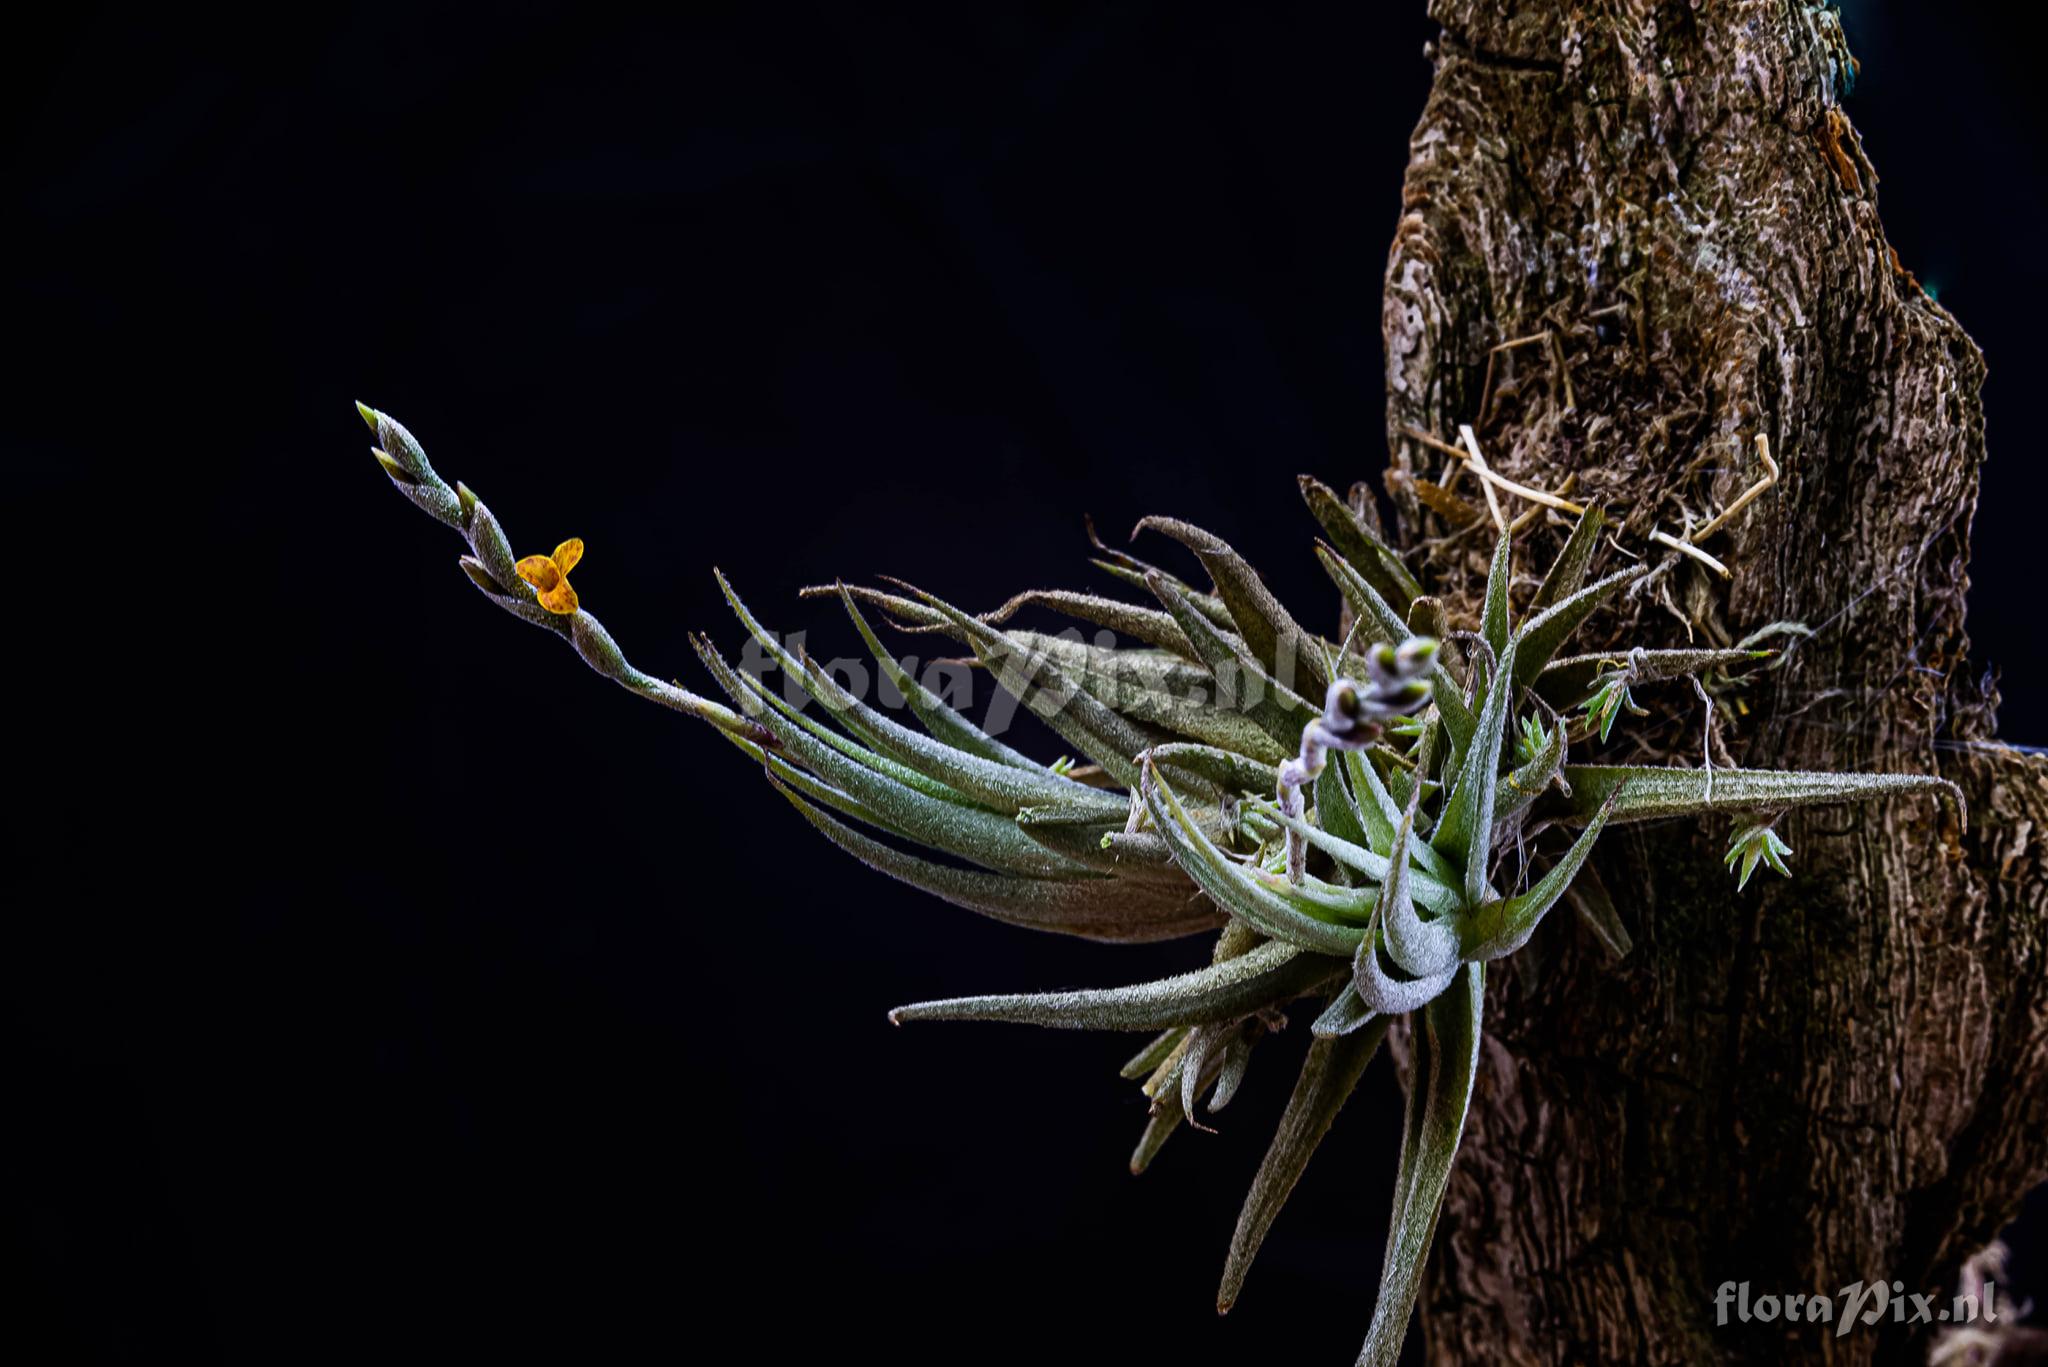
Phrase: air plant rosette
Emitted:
{"points": [[1364, 846]]}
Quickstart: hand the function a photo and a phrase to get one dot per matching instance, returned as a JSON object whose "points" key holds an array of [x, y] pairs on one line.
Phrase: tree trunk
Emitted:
{"points": [[1814, 1082]]}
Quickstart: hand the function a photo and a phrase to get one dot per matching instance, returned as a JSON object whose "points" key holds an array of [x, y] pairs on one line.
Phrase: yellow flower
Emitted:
{"points": [[550, 575]]}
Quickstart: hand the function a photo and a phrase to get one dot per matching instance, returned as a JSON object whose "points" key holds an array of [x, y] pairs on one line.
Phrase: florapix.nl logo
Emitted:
{"points": [[1865, 1304]]}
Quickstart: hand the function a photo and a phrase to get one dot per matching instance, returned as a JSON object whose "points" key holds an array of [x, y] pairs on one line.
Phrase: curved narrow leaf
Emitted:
{"points": [[1081, 834], [1493, 613], [1150, 625], [1653, 793], [1092, 908], [1336, 809], [1346, 1012], [760, 702], [1442, 895], [941, 720], [1037, 681], [1204, 1056], [1375, 807], [1439, 1095], [988, 838], [1153, 1054], [1568, 571], [1159, 1128], [1269, 974], [1379, 621], [1284, 917], [1132, 570], [1500, 928], [1328, 1076], [1241, 685], [1356, 542], [1158, 690], [1000, 786], [1543, 635], [1233, 773], [1237, 1061], [1423, 949], [1464, 834], [1381, 992], [1270, 632]]}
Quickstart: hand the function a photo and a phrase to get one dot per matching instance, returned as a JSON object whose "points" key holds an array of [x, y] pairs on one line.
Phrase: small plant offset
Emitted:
{"points": [[1365, 826]]}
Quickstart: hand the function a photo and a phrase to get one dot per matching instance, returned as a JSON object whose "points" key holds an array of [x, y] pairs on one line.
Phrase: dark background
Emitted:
{"points": [[314, 1051]]}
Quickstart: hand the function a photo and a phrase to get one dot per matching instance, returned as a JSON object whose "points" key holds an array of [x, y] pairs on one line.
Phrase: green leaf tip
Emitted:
{"points": [[1754, 843]]}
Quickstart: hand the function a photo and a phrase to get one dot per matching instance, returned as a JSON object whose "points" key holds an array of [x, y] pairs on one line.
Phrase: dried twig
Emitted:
{"points": [[1485, 476], [1747, 496]]}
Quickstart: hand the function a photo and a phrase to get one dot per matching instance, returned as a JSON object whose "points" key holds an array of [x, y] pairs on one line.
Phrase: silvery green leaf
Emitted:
{"points": [[905, 614], [1132, 570], [760, 703], [1568, 571], [1336, 810], [1134, 852], [749, 692], [1270, 632], [1378, 619], [1358, 545], [1149, 625], [1502, 927], [1202, 1061], [1383, 992], [1158, 690], [1327, 901], [1493, 613], [1159, 1127], [1376, 809], [1153, 1054], [1345, 1013], [1459, 723], [1653, 793], [815, 788], [1081, 835], [988, 838], [1266, 909], [1436, 883], [1092, 908], [1003, 787], [1329, 1074], [1544, 634], [1422, 949], [1439, 1095], [1241, 685], [942, 721], [1465, 832], [1237, 1061], [1264, 976], [1231, 772], [1036, 680]]}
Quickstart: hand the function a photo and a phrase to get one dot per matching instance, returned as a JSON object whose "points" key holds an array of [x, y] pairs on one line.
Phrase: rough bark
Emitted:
{"points": [[1815, 1082]]}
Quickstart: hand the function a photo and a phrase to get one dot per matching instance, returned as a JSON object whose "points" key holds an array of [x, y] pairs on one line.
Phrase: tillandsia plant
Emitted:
{"points": [[1364, 829]]}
